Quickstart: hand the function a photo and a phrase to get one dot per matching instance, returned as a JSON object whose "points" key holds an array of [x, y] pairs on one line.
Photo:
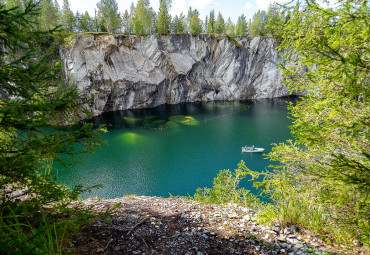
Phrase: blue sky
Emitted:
{"points": [[228, 8]]}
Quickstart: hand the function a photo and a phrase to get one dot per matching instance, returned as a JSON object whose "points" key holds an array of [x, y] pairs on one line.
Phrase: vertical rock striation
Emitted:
{"points": [[126, 72]]}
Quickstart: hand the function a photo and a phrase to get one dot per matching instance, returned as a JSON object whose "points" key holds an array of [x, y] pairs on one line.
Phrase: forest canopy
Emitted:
{"points": [[142, 19]]}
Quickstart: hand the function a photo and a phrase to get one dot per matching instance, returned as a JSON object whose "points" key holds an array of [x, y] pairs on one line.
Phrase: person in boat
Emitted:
{"points": [[252, 148]]}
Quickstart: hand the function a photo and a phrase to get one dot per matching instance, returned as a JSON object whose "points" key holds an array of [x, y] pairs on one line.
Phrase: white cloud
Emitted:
{"points": [[179, 6], [125, 5], [154, 4], [200, 4], [247, 5], [264, 4]]}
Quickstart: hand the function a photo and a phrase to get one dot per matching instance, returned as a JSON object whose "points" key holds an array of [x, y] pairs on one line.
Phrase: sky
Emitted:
{"points": [[228, 8]]}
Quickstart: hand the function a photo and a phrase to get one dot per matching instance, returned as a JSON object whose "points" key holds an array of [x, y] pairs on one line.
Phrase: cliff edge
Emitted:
{"points": [[129, 72]]}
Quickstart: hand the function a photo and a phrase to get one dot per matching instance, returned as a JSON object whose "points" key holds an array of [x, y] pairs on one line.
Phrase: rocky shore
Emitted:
{"points": [[154, 225]]}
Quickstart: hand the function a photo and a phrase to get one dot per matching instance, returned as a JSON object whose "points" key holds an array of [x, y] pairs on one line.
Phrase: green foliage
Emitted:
{"points": [[220, 24], [211, 22], [67, 18], [230, 28], [326, 170], [275, 20], [27, 231], [126, 24], [259, 21], [143, 18], [108, 16], [86, 23], [226, 189], [14, 3], [32, 98], [164, 18], [49, 16], [195, 26], [179, 24], [241, 28]]}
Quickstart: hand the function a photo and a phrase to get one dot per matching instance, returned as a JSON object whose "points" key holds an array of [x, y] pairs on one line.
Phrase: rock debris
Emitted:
{"points": [[155, 225]]}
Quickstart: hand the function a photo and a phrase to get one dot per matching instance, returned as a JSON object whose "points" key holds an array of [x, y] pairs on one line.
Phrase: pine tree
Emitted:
{"points": [[14, 3], [179, 24], [125, 17], [131, 19], [49, 15], [77, 23], [241, 26], [143, 18], [109, 18], [274, 20], [211, 22], [230, 28], [220, 24], [205, 25], [190, 15], [86, 23], [67, 19], [195, 25], [164, 19], [33, 97], [257, 27]]}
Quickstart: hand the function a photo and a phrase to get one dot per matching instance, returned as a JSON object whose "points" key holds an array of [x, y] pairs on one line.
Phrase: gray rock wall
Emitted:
{"points": [[127, 72]]}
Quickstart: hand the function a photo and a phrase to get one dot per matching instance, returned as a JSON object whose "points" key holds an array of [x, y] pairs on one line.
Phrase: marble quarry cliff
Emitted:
{"points": [[129, 72]]}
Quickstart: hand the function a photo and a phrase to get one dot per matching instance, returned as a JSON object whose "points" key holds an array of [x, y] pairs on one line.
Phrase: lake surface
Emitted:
{"points": [[174, 149]]}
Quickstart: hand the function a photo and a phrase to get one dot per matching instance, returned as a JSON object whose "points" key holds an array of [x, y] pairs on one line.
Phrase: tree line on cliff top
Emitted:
{"points": [[321, 181], [142, 19]]}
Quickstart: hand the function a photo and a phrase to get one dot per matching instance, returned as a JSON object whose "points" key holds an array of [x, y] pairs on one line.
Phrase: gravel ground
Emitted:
{"points": [[154, 225]]}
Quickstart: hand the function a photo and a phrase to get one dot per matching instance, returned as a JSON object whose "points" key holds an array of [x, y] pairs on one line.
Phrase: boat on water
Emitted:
{"points": [[249, 149]]}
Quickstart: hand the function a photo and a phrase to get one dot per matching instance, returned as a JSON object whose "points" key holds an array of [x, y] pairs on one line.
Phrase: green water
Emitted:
{"points": [[174, 149]]}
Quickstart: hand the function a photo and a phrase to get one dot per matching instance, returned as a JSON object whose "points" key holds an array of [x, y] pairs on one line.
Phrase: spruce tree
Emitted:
{"points": [[49, 15], [86, 23], [257, 27], [32, 98], [241, 28], [211, 22], [126, 22], [143, 18], [220, 24], [109, 18], [230, 28], [68, 18], [205, 25], [179, 25], [14, 3], [164, 18], [195, 25], [274, 20]]}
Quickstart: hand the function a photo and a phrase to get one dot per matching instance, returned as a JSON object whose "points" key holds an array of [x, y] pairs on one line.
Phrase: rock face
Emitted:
{"points": [[127, 72]]}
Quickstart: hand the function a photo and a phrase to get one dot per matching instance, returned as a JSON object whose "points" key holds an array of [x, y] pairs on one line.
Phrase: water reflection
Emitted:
{"points": [[174, 149]]}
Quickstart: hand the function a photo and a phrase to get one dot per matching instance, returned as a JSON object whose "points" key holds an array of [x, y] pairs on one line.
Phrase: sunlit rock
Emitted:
{"points": [[128, 72]]}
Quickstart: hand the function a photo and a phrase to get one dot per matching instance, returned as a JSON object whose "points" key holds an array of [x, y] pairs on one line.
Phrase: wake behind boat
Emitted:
{"points": [[252, 149]]}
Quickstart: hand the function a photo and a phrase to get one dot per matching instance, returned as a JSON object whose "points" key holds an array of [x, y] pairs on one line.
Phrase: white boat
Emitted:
{"points": [[249, 149]]}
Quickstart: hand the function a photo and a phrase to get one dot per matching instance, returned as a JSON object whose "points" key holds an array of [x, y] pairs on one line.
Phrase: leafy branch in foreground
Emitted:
{"points": [[32, 97], [226, 188], [327, 167], [322, 179]]}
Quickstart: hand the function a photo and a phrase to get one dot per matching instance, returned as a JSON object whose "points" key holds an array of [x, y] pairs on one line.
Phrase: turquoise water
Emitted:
{"points": [[174, 149]]}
